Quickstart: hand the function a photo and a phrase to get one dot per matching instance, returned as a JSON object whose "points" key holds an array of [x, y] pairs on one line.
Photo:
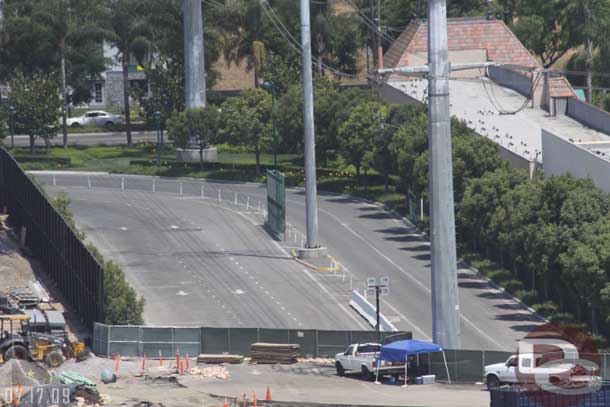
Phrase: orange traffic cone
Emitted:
{"points": [[268, 398], [226, 403], [254, 402]]}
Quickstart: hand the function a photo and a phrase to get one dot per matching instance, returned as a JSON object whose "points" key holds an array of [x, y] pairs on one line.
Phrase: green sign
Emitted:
{"points": [[276, 202]]}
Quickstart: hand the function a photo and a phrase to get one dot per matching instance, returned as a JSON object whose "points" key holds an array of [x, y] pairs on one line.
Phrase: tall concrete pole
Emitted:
{"points": [[194, 67], [445, 301], [310, 143]]}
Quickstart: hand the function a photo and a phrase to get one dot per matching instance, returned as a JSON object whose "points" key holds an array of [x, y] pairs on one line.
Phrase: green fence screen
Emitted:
{"points": [[276, 202]]}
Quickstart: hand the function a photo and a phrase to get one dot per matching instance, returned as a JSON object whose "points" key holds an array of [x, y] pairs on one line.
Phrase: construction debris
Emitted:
{"points": [[218, 359], [272, 353], [317, 361], [210, 372]]}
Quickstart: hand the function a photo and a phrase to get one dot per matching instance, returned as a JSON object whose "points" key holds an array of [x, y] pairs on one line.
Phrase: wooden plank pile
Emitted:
{"points": [[272, 353], [219, 359]]}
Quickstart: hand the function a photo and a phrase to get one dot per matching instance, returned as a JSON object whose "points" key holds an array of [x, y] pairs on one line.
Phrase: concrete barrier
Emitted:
{"points": [[369, 312], [511, 79], [589, 115]]}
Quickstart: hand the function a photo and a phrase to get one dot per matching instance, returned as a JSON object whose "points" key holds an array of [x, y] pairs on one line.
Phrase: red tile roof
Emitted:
{"points": [[560, 88], [464, 34]]}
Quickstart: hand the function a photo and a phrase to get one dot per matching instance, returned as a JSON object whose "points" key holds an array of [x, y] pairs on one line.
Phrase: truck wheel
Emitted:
{"points": [[54, 359], [492, 382], [75, 125], [340, 369], [366, 374], [16, 352]]}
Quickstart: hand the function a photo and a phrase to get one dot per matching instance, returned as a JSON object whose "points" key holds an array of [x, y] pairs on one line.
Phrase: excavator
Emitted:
{"points": [[17, 341]]}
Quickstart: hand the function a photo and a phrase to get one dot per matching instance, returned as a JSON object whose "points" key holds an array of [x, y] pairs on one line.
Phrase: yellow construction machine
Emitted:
{"points": [[17, 341]]}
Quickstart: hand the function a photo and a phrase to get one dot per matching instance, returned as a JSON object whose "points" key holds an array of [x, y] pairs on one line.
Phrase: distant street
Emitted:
{"points": [[89, 139]]}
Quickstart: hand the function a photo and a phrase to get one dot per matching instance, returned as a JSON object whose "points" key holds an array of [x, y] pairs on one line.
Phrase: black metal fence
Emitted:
{"points": [[76, 272]]}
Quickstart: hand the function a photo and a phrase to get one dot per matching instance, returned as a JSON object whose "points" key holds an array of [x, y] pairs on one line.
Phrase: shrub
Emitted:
{"points": [[527, 296], [513, 285], [546, 309]]}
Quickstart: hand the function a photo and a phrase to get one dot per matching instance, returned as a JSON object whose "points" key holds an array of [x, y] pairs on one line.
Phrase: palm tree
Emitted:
{"points": [[69, 23], [128, 33]]}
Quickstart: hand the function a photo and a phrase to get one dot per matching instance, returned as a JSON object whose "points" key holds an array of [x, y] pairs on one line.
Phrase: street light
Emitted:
{"points": [[11, 124], [159, 140], [268, 85]]}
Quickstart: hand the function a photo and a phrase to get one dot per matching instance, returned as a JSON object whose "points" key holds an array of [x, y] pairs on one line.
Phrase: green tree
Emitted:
{"points": [[195, 126], [61, 203], [128, 30], [356, 135], [547, 28], [122, 306], [73, 27], [37, 106], [246, 121], [166, 85]]}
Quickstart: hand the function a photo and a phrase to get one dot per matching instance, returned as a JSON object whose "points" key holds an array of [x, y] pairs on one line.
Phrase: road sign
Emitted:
{"points": [[384, 281], [371, 282]]}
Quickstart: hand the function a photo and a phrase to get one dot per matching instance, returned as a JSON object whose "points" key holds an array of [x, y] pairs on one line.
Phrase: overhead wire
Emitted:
{"points": [[496, 103], [371, 24], [292, 41]]}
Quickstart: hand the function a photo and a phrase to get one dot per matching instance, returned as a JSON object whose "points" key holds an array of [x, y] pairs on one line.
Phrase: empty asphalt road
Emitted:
{"points": [[367, 240]]}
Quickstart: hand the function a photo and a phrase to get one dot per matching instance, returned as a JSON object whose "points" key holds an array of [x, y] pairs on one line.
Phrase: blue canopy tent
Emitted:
{"points": [[399, 351]]}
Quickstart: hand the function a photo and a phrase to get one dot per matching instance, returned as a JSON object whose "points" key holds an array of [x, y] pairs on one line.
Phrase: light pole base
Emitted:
{"points": [[317, 253]]}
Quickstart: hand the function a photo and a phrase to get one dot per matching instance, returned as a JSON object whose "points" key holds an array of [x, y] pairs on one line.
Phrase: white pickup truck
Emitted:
{"points": [[360, 358], [530, 366]]}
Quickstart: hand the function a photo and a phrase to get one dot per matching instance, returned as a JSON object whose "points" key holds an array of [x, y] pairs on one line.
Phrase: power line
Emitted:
{"points": [[372, 25], [279, 26], [292, 41]]}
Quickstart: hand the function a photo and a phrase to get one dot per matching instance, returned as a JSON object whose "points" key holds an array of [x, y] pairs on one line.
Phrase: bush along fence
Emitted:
{"points": [[134, 341], [69, 264]]}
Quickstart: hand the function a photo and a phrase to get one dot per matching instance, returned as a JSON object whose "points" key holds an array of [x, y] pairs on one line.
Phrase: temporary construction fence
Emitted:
{"points": [[67, 261], [134, 341]]}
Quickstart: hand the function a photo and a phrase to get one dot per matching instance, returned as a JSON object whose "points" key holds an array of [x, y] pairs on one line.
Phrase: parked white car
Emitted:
{"points": [[95, 118], [360, 358], [531, 366]]}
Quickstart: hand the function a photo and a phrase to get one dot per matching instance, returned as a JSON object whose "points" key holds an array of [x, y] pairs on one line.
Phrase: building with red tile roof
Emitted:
{"points": [[470, 40]]}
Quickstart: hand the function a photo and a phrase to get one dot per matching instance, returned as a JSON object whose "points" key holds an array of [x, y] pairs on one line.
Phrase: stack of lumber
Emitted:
{"points": [[272, 353], [218, 359]]}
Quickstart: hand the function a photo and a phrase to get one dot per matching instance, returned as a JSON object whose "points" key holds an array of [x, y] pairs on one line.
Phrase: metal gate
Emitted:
{"points": [[276, 202]]}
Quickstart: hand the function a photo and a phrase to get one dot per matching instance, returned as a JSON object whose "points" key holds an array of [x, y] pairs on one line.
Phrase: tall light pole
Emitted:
{"points": [[445, 301], [194, 68], [308, 124]]}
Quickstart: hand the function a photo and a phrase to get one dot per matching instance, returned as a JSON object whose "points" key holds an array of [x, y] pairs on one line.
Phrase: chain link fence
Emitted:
{"points": [[134, 341]]}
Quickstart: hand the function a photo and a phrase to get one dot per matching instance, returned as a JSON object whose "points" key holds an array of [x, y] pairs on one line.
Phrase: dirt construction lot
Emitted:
{"points": [[290, 385]]}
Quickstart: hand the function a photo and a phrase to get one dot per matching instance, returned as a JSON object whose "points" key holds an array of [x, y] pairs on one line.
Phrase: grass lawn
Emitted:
{"points": [[234, 164]]}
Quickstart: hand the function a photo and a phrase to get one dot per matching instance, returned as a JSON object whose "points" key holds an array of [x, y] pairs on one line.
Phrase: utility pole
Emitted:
{"points": [[308, 124], [373, 34], [194, 67], [379, 40], [445, 301]]}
